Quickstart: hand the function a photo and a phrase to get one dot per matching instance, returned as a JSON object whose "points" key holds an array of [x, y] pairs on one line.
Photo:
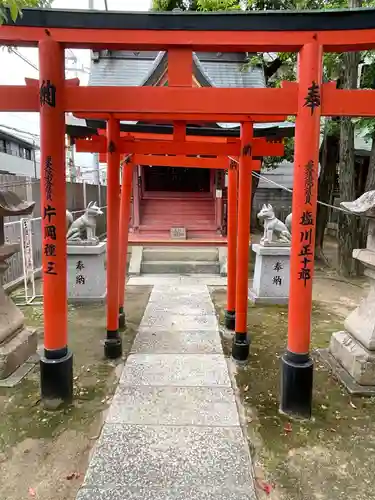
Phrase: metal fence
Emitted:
{"points": [[13, 234]]}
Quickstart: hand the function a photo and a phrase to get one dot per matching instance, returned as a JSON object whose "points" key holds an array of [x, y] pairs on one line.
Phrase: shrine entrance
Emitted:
{"points": [[178, 197], [179, 34]]}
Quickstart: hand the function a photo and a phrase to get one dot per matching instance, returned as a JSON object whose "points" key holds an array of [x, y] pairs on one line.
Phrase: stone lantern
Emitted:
{"points": [[17, 343], [351, 352]]}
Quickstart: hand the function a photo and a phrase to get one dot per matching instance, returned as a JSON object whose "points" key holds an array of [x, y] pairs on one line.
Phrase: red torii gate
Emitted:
{"points": [[132, 144], [306, 33]]}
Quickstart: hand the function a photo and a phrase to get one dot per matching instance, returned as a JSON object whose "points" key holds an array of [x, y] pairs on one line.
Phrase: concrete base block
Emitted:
{"points": [[267, 301], [343, 376], [358, 361], [15, 351], [223, 260], [180, 268], [136, 261], [271, 275], [87, 273]]}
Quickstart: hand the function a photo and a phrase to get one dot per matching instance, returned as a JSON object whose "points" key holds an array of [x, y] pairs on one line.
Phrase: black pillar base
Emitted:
{"points": [[230, 320], [56, 379], [296, 385], [121, 318], [113, 345], [240, 347]]}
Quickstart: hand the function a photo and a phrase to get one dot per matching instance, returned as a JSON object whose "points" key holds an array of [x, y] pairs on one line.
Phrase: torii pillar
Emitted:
{"points": [[56, 363], [230, 313], [297, 365], [241, 344], [113, 342], [126, 193]]}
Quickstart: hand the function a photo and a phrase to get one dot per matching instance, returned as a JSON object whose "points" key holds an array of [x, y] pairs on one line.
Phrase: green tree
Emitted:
{"points": [[14, 7], [338, 134], [194, 5], [165, 5]]}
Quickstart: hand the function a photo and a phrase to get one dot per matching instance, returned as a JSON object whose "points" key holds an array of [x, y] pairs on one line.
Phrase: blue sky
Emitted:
{"points": [[29, 122]]}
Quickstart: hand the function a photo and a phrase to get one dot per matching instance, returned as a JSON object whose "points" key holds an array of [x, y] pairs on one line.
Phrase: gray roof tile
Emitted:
{"points": [[122, 68], [125, 68], [231, 75]]}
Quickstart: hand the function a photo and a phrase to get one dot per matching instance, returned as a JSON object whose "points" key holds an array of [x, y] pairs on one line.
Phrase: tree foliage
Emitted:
{"points": [[14, 7], [196, 5]]}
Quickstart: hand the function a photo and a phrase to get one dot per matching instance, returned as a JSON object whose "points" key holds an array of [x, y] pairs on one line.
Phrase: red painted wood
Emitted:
{"points": [[157, 240], [158, 216], [175, 195]]}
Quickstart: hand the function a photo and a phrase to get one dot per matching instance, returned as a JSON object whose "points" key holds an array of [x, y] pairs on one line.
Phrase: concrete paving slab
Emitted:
{"points": [[184, 370], [148, 341], [213, 280], [174, 300], [181, 290], [192, 279], [169, 457], [199, 406], [168, 321], [208, 493], [200, 309], [173, 431]]}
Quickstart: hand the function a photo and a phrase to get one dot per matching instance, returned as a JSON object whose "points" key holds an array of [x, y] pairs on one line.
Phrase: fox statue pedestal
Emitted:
{"points": [[87, 273], [86, 258], [271, 274], [272, 261]]}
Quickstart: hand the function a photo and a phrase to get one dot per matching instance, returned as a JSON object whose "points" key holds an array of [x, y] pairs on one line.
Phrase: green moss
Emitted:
{"points": [[292, 457], [21, 414]]}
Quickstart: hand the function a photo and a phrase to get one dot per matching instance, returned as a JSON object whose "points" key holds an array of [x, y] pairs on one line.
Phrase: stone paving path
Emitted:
{"points": [[173, 431]]}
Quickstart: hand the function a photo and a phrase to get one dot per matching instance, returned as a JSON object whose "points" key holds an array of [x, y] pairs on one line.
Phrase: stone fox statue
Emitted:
{"points": [[84, 228], [274, 226]]}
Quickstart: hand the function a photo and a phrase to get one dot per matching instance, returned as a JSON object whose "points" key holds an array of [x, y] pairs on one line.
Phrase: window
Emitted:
{"points": [[28, 154]]}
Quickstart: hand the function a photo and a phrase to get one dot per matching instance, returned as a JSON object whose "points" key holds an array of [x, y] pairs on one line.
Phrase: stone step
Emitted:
{"points": [[170, 254], [228, 492], [180, 267]]}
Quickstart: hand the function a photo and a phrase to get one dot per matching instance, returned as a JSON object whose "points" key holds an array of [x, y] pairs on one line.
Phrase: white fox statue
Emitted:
{"points": [[84, 228], [274, 226]]}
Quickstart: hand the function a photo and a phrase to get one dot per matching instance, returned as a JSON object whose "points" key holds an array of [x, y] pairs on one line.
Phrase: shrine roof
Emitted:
{"points": [[127, 68], [317, 20], [271, 130]]}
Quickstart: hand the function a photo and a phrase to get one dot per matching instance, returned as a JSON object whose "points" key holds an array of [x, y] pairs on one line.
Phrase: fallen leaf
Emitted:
{"points": [[32, 492], [73, 475], [352, 405], [246, 388], [288, 427], [266, 487]]}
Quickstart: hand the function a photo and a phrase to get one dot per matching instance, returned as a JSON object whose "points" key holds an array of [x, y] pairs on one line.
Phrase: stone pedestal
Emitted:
{"points": [[271, 274], [87, 273], [354, 348], [17, 343]]}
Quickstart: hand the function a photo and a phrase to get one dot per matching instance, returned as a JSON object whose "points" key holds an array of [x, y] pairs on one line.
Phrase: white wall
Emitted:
{"points": [[282, 174], [18, 166]]}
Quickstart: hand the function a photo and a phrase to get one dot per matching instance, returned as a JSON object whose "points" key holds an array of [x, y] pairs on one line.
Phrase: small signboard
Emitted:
{"points": [[27, 248], [178, 233]]}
